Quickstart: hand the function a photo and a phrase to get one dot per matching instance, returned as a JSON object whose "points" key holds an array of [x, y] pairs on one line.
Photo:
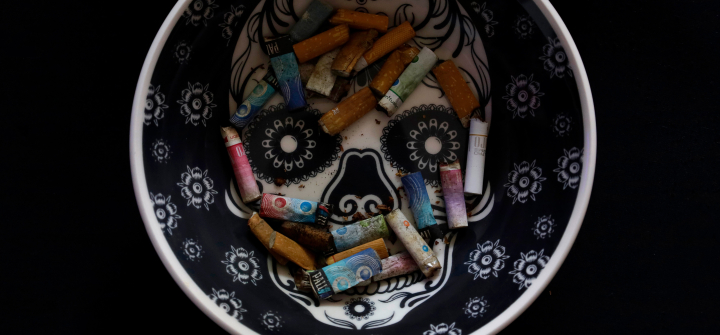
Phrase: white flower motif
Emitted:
{"points": [[182, 52], [476, 307], [230, 21], [570, 167], [524, 27], [433, 132], [160, 151], [228, 303], [487, 16], [562, 125], [196, 103], [443, 329], [154, 106], [556, 61], [524, 181], [192, 250], [243, 266], [522, 95], [528, 267], [197, 187], [486, 259], [544, 226], [165, 212], [199, 11], [271, 321]]}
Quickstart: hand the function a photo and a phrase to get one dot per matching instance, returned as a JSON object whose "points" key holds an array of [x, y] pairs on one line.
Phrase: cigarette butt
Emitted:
{"points": [[360, 20], [322, 79], [457, 91], [377, 245], [386, 44], [263, 231], [292, 251], [316, 13], [416, 246], [391, 70], [348, 111], [340, 89], [321, 43], [408, 81], [358, 43], [313, 238], [452, 185]]}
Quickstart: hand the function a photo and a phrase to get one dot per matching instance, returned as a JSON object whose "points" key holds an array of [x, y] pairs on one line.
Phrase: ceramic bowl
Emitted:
{"points": [[521, 63]]}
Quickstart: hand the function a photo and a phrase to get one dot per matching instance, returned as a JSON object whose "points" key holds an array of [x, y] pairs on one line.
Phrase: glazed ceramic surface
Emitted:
{"points": [[519, 61]]}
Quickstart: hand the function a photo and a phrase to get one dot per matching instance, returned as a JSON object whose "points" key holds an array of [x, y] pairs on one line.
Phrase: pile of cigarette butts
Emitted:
{"points": [[328, 262]]}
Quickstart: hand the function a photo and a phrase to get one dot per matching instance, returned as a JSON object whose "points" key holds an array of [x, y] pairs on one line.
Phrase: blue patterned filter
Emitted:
{"points": [[360, 232], [285, 64], [420, 206], [253, 104], [345, 274]]}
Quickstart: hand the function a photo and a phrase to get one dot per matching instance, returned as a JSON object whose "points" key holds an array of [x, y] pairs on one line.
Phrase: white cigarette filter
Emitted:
{"points": [[475, 167]]}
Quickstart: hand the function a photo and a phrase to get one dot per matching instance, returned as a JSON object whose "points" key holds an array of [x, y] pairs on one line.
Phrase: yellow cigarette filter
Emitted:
{"points": [[360, 20], [377, 245], [263, 231], [322, 43], [391, 70], [385, 44], [289, 249], [348, 111], [356, 46], [457, 91]]}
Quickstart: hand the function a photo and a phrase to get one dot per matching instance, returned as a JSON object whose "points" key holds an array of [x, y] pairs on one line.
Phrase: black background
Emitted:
{"points": [[76, 258]]}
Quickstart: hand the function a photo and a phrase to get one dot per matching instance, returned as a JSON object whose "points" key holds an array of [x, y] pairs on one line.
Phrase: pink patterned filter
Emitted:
{"points": [[247, 185], [452, 186]]}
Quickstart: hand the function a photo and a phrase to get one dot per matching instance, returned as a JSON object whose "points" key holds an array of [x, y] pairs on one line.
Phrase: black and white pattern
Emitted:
{"points": [[569, 168], [443, 329], [196, 104], [230, 21], [522, 95], [228, 302], [280, 144], [182, 52], [192, 250], [487, 259], [528, 267], [271, 321], [524, 27], [161, 151], [165, 212], [242, 265], [154, 106], [419, 139], [199, 11], [359, 308], [562, 124], [197, 188], [487, 16], [524, 181], [476, 307], [555, 59], [544, 226]]}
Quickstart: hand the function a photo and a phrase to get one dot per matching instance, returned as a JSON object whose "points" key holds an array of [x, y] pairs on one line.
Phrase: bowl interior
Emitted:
{"points": [[540, 158]]}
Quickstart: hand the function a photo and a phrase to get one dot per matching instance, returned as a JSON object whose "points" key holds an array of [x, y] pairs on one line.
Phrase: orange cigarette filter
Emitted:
{"points": [[356, 46], [457, 91], [391, 70], [386, 44], [348, 111], [377, 245], [322, 43], [289, 249], [263, 231], [361, 21]]}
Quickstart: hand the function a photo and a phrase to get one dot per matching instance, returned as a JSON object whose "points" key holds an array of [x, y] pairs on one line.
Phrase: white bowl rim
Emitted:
{"points": [[230, 324]]}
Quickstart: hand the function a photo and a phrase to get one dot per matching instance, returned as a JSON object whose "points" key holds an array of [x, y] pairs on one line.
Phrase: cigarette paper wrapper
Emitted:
{"points": [[416, 246], [262, 92], [287, 71], [322, 43], [340, 89], [322, 79], [345, 274], [393, 266], [475, 165], [294, 252], [360, 20], [360, 232], [386, 44], [414, 184], [314, 16], [262, 231], [352, 51], [313, 238], [377, 245], [249, 191], [457, 91], [348, 111], [296, 210], [408, 81], [392, 68], [452, 187]]}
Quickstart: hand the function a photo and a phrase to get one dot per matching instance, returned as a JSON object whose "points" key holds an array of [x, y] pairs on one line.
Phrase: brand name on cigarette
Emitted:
{"points": [[272, 48]]}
